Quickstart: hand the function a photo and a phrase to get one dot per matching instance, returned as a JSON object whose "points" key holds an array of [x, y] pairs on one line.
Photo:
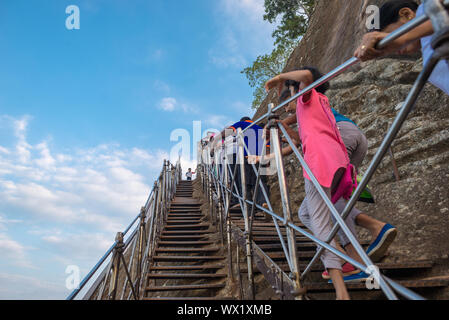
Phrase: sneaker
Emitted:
{"points": [[358, 277], [377, 250], [347, 269]]}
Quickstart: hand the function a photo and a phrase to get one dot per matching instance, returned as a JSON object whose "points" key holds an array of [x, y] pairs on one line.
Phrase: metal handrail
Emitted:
{"points": [[151, 216], [350, 62], [439, 19]]}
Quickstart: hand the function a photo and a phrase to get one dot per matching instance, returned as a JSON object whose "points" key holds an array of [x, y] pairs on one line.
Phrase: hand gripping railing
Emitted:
{"points": [[222, 171], [128, 260]]}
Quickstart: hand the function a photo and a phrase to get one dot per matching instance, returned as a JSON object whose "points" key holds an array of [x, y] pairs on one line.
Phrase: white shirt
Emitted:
{"points": [[440, 75], [230, 146]]}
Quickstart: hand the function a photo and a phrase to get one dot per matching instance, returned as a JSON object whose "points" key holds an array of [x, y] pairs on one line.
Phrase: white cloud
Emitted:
{"points": [[21, 287], [168, 104], [5, 221], [72, 203], [13, 252], [102, 187], [82, 246], [46, 160], [22, 147], [4, 150], [171, 104]]}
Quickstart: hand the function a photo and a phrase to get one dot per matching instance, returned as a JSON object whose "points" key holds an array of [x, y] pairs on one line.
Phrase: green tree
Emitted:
{"points": [[295, 17], [265, 67]]}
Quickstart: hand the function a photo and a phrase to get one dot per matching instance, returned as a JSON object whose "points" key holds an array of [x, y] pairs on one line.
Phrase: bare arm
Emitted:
{"points": [[303, 76], [367, 49], [286, 150], [290, 120], [287, 123]]}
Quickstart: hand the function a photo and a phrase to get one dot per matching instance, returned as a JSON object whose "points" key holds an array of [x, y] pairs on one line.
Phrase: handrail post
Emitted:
{"points": [[291, 237], [210, 193], [220, 215], [118, 250], [228, 217], [164, 192], [249, 253], [219, 162], [142, 229]]}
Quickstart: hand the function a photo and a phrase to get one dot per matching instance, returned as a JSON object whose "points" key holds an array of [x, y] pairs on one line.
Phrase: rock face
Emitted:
{"points": [[370, 94], [336, 28]]}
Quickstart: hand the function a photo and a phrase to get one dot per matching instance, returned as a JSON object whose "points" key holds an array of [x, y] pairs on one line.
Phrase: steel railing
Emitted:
{"points": [[125, 263], [218, 172]]}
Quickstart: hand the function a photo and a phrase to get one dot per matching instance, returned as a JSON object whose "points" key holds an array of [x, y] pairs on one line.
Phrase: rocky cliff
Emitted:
{"points": [[370, 94]]}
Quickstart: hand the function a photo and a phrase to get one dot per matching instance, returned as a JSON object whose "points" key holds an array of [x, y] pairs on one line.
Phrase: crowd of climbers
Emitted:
{"points": [[333, 146]]}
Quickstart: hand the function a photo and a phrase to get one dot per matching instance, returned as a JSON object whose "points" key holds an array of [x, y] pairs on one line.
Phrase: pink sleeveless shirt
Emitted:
{"points": [[323, 147]]}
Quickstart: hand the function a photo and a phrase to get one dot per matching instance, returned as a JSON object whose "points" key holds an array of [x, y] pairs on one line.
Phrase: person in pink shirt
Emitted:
{"points": [[325, 154], [382, 233]]}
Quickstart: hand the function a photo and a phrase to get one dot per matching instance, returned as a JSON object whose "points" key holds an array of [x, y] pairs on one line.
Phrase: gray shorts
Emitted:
{"points": [[357, 147], [355, 142], [316, 216]]}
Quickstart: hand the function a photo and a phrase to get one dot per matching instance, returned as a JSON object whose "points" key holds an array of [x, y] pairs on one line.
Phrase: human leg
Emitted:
{"points": [[382, 233], [320, 224]]}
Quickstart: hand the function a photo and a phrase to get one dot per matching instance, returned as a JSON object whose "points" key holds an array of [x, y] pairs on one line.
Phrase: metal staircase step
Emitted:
{"points": [[185, 243], [188, 237], [183, 219], [186, 275], [186, 287], [187, 226], [187, 268], [187, 258], [183, 222], [180, 232], [301, 255], [187, 250]]}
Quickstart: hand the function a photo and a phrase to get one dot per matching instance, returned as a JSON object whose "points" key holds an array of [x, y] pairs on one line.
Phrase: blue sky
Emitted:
{"points": [[86, 118]]}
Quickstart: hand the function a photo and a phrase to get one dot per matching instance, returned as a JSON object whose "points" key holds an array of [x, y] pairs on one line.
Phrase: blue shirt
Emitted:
{"points": [[253, 136], [339, 117], [440, 75]]}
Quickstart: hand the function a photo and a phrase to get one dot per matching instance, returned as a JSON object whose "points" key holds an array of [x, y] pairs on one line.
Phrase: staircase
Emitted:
{"points": [[410, 274], [187, 262]]}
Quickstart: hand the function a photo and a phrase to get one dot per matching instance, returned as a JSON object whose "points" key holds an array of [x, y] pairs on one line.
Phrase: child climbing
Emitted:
{"points": [[326, 156], [356, 146], [189, 174]]}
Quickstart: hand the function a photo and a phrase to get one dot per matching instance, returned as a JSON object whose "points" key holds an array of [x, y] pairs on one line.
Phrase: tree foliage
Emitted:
{"points": [[265, 67], [295, 16]]}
